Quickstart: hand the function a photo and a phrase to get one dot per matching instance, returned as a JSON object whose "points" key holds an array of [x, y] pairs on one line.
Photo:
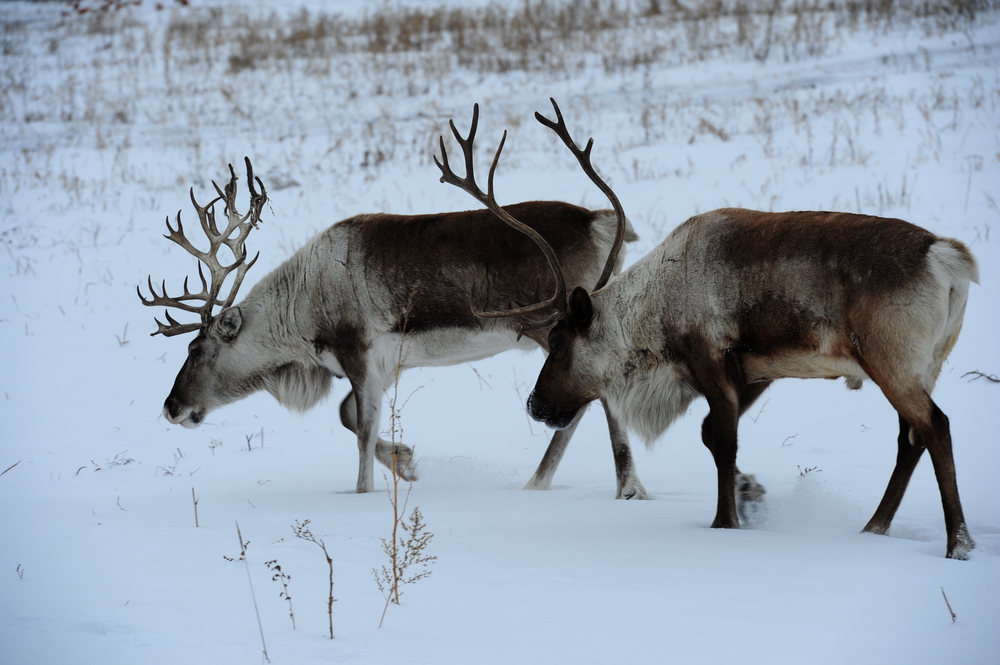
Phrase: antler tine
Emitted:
{"points": [[257, 200], [231, 188], [468, 184], [241, 270], [206, 213], [163, 299], [243, 223], [583, 156], [173, 327]]}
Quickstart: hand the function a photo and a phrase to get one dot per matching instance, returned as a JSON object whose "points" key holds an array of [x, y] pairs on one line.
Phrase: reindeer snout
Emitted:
{"points": [[172, 409], [180, 414], [547, 413]]}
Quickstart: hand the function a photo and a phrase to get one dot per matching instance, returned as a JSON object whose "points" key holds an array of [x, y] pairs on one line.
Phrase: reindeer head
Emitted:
{"points": [[216, 370], [568, 380]]}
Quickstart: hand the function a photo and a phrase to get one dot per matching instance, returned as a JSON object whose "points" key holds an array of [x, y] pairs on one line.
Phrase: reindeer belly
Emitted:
{"points": [[442, 347], [803, 365]]}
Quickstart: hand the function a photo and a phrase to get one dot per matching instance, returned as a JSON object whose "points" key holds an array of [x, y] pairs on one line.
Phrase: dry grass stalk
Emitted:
{"points": [[404, 552], [302, 531]]}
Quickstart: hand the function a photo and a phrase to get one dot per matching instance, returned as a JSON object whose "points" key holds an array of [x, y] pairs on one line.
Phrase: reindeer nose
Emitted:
{"points": [[532, 407], [548, 413], [172, 408], [538, 410]]}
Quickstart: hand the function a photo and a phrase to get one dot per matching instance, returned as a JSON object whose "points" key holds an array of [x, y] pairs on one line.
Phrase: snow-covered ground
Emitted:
{"points": [[107, 120]]}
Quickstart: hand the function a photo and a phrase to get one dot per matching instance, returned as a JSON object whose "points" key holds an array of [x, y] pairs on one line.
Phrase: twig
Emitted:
{"points": [[517, 389], [284, 578], [480, 377], [196, 509], [303, 531], [950, 611], [15, 464], [979, 375], [123, 340], [260, 626], [760, 411]]}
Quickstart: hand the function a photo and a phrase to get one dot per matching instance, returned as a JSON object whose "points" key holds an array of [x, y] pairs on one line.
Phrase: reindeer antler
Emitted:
{"points": [[234, 237], [468, 184], [583, 156], [558, 301]]}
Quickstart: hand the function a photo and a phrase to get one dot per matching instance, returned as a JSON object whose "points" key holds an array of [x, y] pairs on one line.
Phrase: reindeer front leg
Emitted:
{"points": [[542, 479], [629, 485], [368, 400], [748, 492], [719, 436], [384, 452]]}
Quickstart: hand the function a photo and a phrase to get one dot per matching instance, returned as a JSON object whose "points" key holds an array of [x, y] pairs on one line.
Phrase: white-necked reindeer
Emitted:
{"points": [[734, 299], [343, 304]]}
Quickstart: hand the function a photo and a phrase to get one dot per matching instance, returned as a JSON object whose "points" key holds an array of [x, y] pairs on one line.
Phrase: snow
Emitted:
{"points": [[100, 558]]}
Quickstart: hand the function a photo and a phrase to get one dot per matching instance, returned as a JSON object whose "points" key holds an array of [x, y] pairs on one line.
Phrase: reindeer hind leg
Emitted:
{"points": [[923, 424], [910, 447]]}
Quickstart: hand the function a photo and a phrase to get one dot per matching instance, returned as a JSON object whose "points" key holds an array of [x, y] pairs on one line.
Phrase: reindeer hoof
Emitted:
{"points": [[631, 489], [401, 458], [407, 471], [962, 546], [749, 498], [539, 484]]}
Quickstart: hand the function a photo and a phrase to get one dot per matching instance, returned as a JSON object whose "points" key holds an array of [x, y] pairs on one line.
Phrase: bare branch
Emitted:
{"points": [[976, 374]]}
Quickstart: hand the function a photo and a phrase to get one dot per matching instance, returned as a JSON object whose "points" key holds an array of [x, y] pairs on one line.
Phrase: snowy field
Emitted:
{"points": [[108, 118]]}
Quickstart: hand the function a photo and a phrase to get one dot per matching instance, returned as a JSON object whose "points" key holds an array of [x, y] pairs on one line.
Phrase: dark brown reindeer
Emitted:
{"points": [[343, 304], [734, 299]]}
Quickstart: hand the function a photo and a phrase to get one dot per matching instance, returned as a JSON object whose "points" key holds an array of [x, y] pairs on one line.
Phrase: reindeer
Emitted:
{"points": [[734, 299], [370, 293]]}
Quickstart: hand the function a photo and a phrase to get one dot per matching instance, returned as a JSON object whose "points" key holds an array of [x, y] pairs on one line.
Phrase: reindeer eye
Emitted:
{"points": [[194, 353], [553, 345]]}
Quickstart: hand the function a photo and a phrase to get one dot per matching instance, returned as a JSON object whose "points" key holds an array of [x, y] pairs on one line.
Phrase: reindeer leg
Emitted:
{"points": [[939, 447], [749, 493], [719, 436], [629, 485], [747, 489], [910, 447], [368, 399], [928, 427], [405, 466], [542, 479]]}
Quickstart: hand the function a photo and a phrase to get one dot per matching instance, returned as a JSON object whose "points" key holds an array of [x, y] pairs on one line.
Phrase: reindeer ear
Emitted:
{"points": [[230, 322], [581, 311]]}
